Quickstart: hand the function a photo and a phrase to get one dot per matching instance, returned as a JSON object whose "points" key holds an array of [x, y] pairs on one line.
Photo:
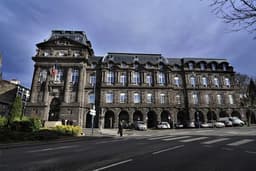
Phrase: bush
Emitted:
{"points": [[69, 130], [26, 125], [3, 121], [36, 124]]}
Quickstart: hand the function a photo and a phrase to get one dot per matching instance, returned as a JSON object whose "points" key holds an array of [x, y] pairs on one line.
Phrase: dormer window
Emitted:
{"points": [[46, 53], [213, 66], [61, 53], [161, 66], [190, 66], [224, 67], [123, 65], [202, 66], [136, 65]]}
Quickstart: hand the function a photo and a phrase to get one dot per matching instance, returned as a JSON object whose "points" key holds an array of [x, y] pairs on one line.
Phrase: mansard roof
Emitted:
{"points": [[78, 36], [130, 58]]}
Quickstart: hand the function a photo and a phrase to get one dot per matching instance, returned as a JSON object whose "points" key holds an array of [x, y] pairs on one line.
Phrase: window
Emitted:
{"points": [[224, 66], [190, 66], [91, 98], [149, 80], [92, 79], [76, 54], [162, 98], [46, 53], [227, 82], [42, 76], [194, 98], [75, 76], [136, 98], [202, 66], [207, 99], [213, 66], [193, 81], [59, 75], [110, 77], [123, 65], [204, 81], [149, 98], [161, 78], [219, 99], [123, 79], [177, 81], [109, 97], [61, 53], [136, 65], [123, 97], [136, 78], [216, 82], [231, 100], [177, 99]]}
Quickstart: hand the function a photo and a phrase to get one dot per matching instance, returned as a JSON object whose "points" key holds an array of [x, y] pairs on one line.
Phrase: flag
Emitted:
{"points": [[54, 70]]}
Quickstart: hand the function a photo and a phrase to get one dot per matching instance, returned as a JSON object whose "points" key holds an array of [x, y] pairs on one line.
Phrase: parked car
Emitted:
{"points": [[140, 125], [190, 125], [213, 125], [179, 125], [162, 125], [236, 121], [226, 121]]}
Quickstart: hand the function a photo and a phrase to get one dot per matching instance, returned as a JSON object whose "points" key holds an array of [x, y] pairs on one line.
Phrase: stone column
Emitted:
{"points": [[68, 80], [80, 86], [34, 84], [46, 90]]}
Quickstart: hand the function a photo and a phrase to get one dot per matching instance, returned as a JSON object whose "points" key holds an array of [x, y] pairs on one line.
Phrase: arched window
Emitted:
{"points": [[149, 98], [227, 82], [193, 81], [204, 81], [123, 79], [177, 81], [219, 99], [231, 100], [149, 80], [195, 98], [190, 66], [216, 82]]}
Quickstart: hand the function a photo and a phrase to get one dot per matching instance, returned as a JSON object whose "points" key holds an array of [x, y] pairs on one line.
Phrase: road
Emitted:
{"points": [[204, 149]]}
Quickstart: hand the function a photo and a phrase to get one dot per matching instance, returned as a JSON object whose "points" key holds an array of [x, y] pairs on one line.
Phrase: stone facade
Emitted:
{"points": [[69, 80]]}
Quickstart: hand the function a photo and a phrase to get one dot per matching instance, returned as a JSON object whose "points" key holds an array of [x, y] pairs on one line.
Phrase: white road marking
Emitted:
{"points": [[251, 152], [114, 164], [168, 149], [237, 143], [116, 140], [194, 139], [160, 137], [202, 131], [176, 138], [215, 141], [51, 149]]}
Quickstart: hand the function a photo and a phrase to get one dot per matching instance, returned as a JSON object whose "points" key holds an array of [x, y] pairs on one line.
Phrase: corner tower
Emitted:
{"points": [[59, 77]]}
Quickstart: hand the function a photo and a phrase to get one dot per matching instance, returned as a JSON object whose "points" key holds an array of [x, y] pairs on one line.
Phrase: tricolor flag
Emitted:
{"points": [[54, 70]]}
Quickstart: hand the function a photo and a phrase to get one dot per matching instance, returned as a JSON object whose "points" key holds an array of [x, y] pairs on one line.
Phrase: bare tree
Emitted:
{"points": [[240, 13]]}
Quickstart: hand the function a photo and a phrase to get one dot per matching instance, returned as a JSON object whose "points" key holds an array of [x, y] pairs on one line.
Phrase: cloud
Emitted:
{"points": [[177, 28]]}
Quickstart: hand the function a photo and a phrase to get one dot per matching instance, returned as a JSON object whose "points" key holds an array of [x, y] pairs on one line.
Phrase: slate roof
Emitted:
{"points": [[78, 36]]}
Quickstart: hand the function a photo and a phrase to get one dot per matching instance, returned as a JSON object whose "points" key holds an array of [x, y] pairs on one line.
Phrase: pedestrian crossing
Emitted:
{"points": [[203, 140]]}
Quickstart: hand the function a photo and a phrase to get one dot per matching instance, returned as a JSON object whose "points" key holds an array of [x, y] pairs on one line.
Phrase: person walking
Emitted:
{"points": [[120, 128]]}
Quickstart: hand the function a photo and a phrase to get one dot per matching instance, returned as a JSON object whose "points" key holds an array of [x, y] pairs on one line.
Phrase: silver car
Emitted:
{"points": [[140, 125]]}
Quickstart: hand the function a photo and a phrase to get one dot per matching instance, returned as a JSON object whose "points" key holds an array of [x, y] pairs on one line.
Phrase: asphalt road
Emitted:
{"points": [[183, 151]]}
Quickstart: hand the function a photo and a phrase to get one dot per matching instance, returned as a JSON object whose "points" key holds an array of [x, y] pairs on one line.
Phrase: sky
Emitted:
{"points": [[173, 28]]}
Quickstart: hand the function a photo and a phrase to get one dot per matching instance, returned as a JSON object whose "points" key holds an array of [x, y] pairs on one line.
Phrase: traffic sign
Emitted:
{"points": [[92, 112]]}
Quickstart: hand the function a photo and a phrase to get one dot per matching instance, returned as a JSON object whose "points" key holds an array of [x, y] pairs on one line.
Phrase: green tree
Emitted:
{"points": [[16, 110]]}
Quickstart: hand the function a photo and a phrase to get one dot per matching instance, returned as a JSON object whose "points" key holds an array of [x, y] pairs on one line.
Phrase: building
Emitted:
{"points": [[69, 80], [8, 92]]}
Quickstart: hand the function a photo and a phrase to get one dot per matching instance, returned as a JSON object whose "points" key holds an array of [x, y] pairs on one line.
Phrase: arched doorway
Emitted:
{"points": [[137, 116], [165, 116], [223, 114], [124, 117], [109, 120], [211, 116], [180, 117], [88, 120], [152, 119], [54, 111], [236, 113], [199, 116]]}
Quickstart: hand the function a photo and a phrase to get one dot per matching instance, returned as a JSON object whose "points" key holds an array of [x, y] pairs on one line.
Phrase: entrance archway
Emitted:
{"points": [[180, 117], [236, 113], [109, 120], [88, 120], [211, 116], [223, 114], [199, 116], [54, 111], [124, 117], [152, 119], [137, 116]]}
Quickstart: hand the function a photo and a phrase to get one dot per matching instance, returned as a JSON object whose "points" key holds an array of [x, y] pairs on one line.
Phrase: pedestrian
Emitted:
{"points": [[120, 128]]}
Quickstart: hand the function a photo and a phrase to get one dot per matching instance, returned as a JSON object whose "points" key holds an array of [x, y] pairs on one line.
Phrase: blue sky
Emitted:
{"points": [[176, 28]]}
